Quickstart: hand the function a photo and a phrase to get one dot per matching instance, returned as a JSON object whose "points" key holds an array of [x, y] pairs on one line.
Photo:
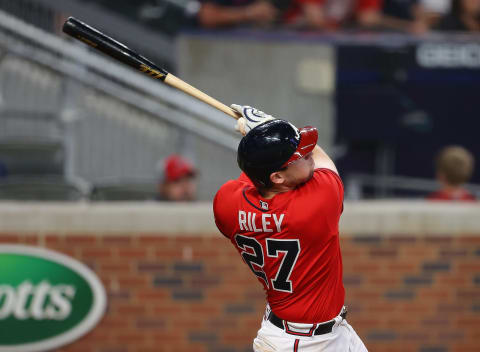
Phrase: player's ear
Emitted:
{"points": [[277, 178]]}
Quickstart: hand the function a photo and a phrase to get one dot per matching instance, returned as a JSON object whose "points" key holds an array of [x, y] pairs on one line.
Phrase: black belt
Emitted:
{"points": [[321, 329]]}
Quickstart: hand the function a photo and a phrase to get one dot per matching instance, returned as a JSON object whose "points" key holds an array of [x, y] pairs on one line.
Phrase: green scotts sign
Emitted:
{"points": [[46, 299]]}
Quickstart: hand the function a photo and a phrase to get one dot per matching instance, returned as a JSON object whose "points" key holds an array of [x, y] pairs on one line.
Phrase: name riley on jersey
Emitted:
{"points": [[250, 221]]}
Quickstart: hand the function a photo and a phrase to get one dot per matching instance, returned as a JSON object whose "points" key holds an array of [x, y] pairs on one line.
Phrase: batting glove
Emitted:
{"points": [[250, 119]]}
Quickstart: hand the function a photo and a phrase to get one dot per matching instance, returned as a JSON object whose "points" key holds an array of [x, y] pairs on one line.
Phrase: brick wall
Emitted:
{"points": [[190, 291]]}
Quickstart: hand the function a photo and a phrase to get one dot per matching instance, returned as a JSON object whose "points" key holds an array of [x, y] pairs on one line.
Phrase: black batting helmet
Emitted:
{"points": [[271, 146]]}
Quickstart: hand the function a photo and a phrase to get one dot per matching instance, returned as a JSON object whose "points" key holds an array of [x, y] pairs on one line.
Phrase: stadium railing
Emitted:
{"points": [[115, 123]]}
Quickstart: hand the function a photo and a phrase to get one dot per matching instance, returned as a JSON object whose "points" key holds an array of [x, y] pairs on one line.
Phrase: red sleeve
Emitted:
{"points": [[225, 206], [217, 213], [320, 200], [222, 200], [365, 5], [334, 180], [324, 192]]}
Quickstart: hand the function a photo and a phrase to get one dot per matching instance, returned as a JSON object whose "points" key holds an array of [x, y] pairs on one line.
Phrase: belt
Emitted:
{"points": [[317, 329]]}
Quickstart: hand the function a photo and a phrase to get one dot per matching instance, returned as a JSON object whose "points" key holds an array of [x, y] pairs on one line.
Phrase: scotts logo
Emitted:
{"points": [[46, 299]]}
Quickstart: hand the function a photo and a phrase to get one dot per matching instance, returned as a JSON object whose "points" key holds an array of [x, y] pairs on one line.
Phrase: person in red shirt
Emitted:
{"points": [[299, 14], [282, 216], [363, 14], [229, 13], [454, 167], [178, 181], [333, 14]]}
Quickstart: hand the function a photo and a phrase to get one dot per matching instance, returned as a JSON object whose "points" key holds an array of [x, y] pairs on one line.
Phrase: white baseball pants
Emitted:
{"points": [[342, 339]]}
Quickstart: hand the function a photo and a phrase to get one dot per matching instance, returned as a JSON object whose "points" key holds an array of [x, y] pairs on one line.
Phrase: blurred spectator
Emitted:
{"points": [[178, 181], [454, 167], [300, 14], [434, 10], [225, 13], [332, 14], [405, 15], [464, 16], [401, 9], [412, 16]]}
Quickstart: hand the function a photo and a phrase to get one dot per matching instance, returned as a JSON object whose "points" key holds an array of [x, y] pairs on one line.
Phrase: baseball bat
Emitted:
{"points": [[121, 52]]}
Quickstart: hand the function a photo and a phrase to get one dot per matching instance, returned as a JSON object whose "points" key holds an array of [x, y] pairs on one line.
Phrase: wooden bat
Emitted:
{"points": [[120, 52]]}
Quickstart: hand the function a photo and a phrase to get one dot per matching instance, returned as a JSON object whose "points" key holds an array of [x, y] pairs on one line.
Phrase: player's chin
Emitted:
{"points": [[308, 178]]}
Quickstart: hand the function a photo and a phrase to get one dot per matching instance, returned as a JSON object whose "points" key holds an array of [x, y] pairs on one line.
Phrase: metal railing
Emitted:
{"points": [[116, 123], [65, 57], [49, 15], [385, 186]]}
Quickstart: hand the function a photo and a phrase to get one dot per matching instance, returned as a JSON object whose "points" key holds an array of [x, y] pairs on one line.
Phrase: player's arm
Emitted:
{"points": [[322, 160]]}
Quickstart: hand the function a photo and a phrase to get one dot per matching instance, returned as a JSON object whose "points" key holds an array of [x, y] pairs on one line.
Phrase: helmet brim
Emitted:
{"points": [[308, 141]]}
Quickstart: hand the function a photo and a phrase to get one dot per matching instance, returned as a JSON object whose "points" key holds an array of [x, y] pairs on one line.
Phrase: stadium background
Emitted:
{"points": [[75, 126]]}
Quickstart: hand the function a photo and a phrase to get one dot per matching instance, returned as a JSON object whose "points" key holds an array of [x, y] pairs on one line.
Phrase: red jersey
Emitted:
{"points": [[336, 12], [459, 195], [290, 242]]}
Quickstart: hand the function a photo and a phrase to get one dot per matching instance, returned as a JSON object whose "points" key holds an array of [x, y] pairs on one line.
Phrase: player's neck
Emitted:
{"points": [[273, 191]]}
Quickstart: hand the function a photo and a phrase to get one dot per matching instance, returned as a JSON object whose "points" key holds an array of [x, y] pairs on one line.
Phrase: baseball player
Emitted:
{"points": [[282, 216]]}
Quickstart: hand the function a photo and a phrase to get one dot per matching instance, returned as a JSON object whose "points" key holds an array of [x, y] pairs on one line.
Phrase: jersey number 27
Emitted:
{"points": [[256, 260]]}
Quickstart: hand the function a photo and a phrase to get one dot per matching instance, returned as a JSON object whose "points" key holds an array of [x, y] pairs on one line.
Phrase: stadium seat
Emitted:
{"points": [[52, 188], [21, 157], [124, 192]]}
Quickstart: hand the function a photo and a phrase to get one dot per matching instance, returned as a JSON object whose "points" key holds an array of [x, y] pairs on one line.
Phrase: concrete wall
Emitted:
{"points": [[411, 272]]}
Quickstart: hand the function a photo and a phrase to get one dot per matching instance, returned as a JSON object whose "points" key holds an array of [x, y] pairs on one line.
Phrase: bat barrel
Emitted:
{"points": [[111, 47], [122, 53]]}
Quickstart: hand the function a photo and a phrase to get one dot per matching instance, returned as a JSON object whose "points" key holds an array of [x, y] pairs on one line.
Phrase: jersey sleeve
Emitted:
{"points": [[334, 180], [225, 206], [219, 213], [326, 190]]}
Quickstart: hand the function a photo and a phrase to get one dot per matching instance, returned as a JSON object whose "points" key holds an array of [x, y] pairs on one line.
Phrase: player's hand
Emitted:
{"points": [[250, 119]]}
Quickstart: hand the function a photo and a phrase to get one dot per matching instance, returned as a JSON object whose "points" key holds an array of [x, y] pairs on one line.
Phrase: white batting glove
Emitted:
{"points": [[250, 119]]}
